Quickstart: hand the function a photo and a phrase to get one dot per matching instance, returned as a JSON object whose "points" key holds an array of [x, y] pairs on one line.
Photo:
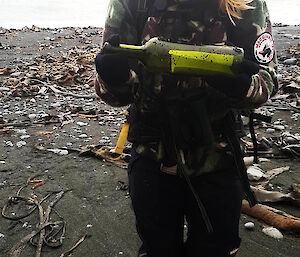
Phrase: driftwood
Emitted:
{"points": [[43, 223], [272, 216], [19, 246], [57, 91], [263, 196]]}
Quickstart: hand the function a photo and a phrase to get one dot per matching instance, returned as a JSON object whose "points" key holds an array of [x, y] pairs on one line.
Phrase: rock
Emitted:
{"points": [[279, 77], [273, 232], [81, 124], [16, 74], [43, 90], [255, 173], [3, 89], [59, 151], [21, 143], [21, 131], [291, 61], [249, 225], [32, 116], [9, 143], [56, 104], [25, 137], [1, 235], [270, 130], [279, 127]]}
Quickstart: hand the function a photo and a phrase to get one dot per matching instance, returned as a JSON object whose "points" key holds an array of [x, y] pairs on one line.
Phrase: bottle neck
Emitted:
{"points": [[128, 50]]}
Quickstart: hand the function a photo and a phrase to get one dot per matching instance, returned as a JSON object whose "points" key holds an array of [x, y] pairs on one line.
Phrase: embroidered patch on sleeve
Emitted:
{"points": [[264, 48]]}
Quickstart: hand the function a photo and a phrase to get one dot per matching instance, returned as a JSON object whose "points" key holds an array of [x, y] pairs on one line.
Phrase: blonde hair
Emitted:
{"points": [[234, 8]]}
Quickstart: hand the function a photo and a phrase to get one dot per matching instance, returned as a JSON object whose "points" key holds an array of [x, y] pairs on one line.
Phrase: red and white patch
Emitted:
{"points": [[264, 48]]}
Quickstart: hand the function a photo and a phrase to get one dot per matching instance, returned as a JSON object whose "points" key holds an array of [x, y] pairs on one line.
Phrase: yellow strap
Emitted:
{"points": [[122, 138], [201, 63]]}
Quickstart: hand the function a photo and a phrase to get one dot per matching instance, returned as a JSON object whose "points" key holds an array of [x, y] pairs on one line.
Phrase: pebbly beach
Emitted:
{"points": [[56, 151]]}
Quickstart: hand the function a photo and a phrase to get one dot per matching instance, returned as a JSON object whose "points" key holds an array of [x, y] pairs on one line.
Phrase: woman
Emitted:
{"points": [[163, 196]]}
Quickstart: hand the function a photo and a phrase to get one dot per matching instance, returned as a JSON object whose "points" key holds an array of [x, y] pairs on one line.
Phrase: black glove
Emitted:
{"points": [[113, 69], [235, 87]]}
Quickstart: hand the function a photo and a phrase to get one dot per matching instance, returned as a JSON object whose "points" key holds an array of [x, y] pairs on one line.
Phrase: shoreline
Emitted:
{"points": [[31, 27]]}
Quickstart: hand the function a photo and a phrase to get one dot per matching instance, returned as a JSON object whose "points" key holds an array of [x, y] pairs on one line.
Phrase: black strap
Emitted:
{"points": [[182, 168], [260, 117], [238, 158]]}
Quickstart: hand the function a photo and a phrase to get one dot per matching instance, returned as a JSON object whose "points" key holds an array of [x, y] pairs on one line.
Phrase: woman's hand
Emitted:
{"points": [[113, 69], [237, 87]]}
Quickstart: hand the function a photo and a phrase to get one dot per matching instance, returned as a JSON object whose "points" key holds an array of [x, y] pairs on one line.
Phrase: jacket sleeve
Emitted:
{"points": [[254, 34], [119, 21]]}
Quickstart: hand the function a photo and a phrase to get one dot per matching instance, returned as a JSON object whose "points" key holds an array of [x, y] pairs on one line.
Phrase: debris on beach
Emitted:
{"points": [[272, 232], [272, 216], [264, 196], [29, 205], [49, 111], [67, 253], [107, 154]]}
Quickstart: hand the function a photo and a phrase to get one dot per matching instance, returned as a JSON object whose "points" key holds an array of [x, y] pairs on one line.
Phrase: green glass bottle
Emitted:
{"points": [[165, 57]]}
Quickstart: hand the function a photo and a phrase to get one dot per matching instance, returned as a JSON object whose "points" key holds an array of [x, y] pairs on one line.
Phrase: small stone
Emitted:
{"points": [[249, 225], [42, 91], [25, 137], [9, 143], [291, 61], [15, 74], [81, 124], [56, 104], [279, 77], [32, 116], [2, 162], [21, 131], [273, 232], [270, 130], [297, 79], [83, 136], [255, 173], [279, 127], [1, 235], [89, 225], [59, 151], [21, 143], [2, 89]]}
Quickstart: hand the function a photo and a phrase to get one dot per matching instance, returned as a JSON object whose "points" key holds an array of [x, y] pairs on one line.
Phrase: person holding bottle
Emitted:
{"points": [[186, 165]]}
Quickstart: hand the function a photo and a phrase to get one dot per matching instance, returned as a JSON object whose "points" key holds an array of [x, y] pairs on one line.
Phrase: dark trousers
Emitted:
{"points": [[162, 202]]}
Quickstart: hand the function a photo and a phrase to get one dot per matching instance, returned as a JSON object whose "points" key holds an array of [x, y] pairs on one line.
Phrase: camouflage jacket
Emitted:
{"points": [[201, 22], [196, 22]]}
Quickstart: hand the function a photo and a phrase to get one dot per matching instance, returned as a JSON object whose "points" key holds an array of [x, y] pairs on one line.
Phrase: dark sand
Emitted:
{"points": [[95, 205]]}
